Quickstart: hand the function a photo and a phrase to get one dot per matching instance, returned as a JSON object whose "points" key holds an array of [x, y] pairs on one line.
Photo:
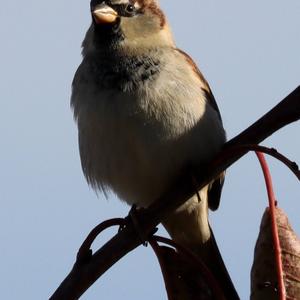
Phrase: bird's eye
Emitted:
{"points": [[130, 8]]}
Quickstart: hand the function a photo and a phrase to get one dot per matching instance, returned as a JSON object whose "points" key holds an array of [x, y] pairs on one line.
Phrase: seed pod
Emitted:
{"points": [[264, 283]]}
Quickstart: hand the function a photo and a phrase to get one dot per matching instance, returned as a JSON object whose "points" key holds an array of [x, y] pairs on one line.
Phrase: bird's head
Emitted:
{"points": [[131, 25]]}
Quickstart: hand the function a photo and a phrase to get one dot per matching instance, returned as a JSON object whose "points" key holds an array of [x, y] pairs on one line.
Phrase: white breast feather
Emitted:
{"points": [[137, 143]]}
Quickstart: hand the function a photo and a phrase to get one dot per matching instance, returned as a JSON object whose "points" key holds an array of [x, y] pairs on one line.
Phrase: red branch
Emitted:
{"points": [[156, 249], [276, 241], [215, 288]]}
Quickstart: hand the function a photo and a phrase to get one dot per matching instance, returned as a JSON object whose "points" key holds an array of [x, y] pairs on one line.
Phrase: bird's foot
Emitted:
{"points": [[133, 216]]}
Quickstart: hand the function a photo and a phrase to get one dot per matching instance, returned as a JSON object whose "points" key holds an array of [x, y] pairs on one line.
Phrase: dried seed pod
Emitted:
{"points": [[264, 283]]}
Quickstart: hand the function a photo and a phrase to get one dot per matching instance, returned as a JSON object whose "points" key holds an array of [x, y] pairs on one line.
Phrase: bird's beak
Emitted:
{"points": [[103, 14]]}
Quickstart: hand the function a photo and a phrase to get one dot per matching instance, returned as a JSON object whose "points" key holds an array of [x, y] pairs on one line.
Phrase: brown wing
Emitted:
{"points": [[208, 93], [215, 188]]}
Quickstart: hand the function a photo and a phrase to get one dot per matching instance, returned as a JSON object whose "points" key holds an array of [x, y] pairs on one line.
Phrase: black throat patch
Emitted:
{"points": [[122, 72]]}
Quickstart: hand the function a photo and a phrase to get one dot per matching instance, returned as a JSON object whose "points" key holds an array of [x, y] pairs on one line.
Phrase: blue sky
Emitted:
{"points": [[249, 53]]}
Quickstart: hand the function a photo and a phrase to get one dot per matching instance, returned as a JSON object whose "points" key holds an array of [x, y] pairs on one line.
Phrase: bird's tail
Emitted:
{"points": [[189, 227]]}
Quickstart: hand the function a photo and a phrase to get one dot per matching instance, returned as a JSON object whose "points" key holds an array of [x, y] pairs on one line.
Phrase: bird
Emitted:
{"points": [[145, 113]]}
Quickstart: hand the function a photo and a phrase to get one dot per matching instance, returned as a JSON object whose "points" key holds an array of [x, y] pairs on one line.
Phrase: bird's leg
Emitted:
{"points": [[195, 184]]}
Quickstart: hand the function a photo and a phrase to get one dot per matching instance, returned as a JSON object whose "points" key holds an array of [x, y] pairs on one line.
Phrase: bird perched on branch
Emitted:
{"points": [[145, 113]]}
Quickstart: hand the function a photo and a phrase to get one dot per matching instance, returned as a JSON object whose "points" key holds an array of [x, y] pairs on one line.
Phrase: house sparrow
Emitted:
{"points": [[145, 113]]}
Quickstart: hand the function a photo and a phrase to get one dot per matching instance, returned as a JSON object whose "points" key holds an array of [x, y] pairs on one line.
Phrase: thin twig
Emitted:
{"points": [[84, 251], [215, 288], [227, 153], [156, 248]]}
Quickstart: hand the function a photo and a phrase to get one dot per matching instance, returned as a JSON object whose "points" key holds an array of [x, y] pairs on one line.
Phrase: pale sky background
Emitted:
{"points": [[249, 52]]}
